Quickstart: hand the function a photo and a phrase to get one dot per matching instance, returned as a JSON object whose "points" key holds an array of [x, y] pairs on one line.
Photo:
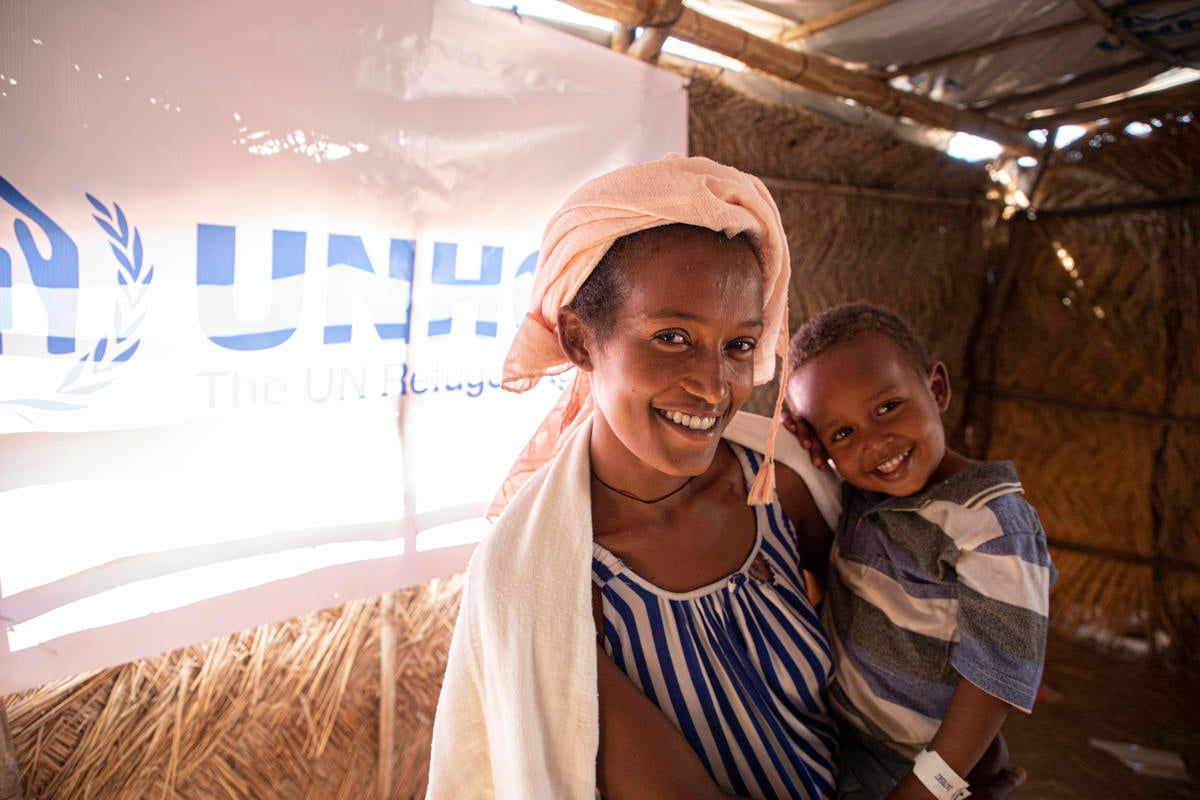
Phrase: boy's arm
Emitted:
{"points": [[971, 723]]}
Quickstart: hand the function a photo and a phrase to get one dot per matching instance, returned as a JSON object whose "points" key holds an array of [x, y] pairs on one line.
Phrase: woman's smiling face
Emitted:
{"points": [[678, 362]]}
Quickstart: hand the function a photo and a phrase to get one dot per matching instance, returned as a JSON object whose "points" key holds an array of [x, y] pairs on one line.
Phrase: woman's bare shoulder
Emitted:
{"points": [[812, 534]]}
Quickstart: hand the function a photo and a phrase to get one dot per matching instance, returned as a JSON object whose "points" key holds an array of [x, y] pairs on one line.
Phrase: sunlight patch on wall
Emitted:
{"points": [[967, 147]]}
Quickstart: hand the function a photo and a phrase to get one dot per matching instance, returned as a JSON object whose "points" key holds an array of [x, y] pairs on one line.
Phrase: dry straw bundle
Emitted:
{"points": [[281, 711]]}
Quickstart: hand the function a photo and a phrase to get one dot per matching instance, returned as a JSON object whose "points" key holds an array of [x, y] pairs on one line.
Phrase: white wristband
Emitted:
{"points": [[932, 770]]}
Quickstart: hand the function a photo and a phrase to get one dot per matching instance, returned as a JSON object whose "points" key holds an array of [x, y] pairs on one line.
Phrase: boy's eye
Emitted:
{"points": [[886, 407], [840, 434], [671, 337]]}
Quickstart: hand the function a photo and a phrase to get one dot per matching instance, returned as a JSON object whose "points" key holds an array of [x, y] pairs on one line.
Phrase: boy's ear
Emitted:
{"points": [[939, 384], [573, 339]]}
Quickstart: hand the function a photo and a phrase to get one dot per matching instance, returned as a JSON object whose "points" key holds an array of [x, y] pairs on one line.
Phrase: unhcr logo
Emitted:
{"points": [[55, 276], [265, 313]]}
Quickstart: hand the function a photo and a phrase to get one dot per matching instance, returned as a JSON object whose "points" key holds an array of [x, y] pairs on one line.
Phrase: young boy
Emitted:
{"points": [[939, 575]]}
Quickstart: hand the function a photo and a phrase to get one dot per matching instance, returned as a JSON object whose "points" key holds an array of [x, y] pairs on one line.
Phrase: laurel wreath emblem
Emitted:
{"points": [[96, 368]]}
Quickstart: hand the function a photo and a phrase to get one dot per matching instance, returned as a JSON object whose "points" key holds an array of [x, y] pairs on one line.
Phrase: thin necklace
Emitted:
{"points": [[633, 496]]}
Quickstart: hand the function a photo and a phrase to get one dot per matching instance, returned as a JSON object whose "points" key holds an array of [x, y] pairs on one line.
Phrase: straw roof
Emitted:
{"points": [[985, 67]]}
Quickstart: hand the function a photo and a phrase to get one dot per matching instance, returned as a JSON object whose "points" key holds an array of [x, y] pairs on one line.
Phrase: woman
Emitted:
{"points": [[637, 620], [643, 495]]}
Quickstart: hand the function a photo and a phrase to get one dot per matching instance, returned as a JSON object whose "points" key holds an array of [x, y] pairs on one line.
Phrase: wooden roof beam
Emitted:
{"points": [[809, 70], [648, 46], [852, 11], [622, 38], [1105, 19], [10, 774]]}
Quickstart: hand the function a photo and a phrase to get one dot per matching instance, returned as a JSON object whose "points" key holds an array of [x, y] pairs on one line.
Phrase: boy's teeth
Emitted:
{"points": [[892, 463], [689, 421]]}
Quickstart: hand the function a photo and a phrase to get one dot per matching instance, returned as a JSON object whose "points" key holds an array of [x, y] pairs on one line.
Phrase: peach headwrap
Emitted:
{"points": [[695, 191]]}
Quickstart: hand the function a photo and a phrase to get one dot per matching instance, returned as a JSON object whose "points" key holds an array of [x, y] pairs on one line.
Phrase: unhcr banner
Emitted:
{"points": [[259, 266]]}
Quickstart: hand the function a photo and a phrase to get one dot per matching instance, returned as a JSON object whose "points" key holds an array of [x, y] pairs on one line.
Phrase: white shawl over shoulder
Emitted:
{"points": [[518, 716]]}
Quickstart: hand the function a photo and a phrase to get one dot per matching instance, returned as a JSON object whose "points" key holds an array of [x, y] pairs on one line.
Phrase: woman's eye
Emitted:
{"points": [[743, 345], [671, 337]]}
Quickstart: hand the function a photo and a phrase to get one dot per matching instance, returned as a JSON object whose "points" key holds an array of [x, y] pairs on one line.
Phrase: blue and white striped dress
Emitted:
{"points": [[740, 665]]}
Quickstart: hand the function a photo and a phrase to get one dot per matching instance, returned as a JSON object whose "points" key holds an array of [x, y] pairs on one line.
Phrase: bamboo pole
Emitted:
{"points": [[811, 71], [845, 14], [1036, 398], [1138, 204], [870, 192], [648, 46], [10, 774], [387, 694], [1006, 251], [1157, 561], [185, 677], [1105, 20], [1043, 165], [622, 37]]}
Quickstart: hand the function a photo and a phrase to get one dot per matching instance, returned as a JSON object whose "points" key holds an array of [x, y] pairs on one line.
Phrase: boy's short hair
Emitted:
{"points": [[851, 321]]}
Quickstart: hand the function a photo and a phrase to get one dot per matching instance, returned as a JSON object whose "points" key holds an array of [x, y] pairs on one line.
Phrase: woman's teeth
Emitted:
{"points": [[892, 463], [689, 421]]}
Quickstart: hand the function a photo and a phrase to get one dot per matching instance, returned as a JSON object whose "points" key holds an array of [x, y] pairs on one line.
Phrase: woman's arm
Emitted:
{"points": [[642, 753], [971, 723]]}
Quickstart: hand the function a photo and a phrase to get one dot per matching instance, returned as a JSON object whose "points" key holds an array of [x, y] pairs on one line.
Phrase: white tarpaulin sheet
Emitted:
{"points": [[915, 31], [259, 265]]}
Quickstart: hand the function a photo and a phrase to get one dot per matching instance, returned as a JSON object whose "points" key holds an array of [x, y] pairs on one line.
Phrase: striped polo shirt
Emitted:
{"points": [[740, 665], [954, 580]]}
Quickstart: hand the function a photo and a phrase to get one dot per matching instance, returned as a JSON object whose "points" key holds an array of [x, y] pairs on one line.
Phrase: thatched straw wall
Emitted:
{"points": [[1095, 388]]}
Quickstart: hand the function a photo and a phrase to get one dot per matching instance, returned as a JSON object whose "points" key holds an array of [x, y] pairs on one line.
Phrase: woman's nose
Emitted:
{"points": [[708, 377]]}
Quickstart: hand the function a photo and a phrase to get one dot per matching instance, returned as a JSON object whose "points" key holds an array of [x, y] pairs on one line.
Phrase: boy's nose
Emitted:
{"points": [[875, 441]]}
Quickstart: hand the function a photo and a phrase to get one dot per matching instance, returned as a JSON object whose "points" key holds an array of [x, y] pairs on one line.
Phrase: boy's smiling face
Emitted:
{"points": [[878, 418]]}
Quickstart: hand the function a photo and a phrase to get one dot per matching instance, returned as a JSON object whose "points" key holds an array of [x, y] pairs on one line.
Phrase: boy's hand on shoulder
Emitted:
{"points": [[800, 428]]}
